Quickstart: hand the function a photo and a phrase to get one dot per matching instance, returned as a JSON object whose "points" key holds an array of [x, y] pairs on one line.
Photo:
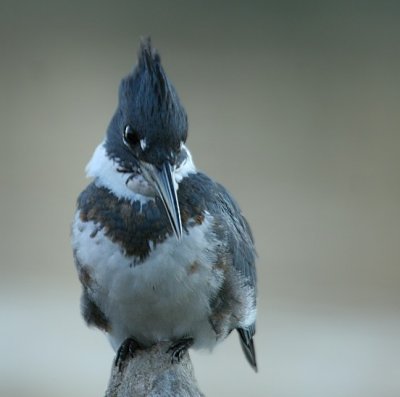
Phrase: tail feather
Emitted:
{"points": [[246, 341]]}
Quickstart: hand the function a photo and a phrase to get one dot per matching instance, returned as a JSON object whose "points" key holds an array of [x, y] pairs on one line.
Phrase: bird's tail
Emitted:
{"points": [[246, 341]]}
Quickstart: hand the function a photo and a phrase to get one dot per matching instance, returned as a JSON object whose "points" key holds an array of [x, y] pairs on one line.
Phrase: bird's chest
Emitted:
{"points": [[157, 297]]}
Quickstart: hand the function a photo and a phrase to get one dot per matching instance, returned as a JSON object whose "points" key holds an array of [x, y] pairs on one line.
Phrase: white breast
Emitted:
{"points": [[164, 298]]}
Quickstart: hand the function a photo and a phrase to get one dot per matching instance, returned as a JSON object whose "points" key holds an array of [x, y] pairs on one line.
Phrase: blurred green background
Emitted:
{"points": [[294, 106]]}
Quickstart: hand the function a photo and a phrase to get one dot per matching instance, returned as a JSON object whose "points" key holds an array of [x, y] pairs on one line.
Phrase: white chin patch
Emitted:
{"points": [[105, 172], [139, 185]]}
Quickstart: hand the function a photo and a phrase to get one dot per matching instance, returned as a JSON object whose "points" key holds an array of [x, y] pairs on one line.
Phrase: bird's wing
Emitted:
{"points": [[199, 191], [243, 251], [240, 237]]}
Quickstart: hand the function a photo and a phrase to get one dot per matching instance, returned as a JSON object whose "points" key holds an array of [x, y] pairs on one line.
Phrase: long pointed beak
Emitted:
{"points": [[164, 183]]}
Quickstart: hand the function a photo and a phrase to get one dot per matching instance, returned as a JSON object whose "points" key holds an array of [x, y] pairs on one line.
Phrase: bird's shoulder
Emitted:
{"points": [[200, 192]]}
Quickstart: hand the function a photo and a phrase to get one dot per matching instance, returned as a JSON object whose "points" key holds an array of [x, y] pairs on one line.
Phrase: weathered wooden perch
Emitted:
{"points": [[150, 373]]}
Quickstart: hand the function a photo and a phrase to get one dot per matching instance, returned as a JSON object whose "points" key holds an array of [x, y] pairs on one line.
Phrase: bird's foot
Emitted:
{"points": [[179, 348], [126, 350]]}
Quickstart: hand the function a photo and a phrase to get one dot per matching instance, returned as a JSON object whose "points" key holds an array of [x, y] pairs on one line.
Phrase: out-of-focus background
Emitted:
{"points": [[294, 106]]}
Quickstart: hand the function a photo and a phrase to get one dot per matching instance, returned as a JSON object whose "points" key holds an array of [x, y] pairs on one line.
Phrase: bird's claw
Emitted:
{"points": [[179, 348], [126, 350]]}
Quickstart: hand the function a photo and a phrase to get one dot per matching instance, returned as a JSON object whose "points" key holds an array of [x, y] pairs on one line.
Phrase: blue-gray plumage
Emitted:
{"points": [[162, 251]]}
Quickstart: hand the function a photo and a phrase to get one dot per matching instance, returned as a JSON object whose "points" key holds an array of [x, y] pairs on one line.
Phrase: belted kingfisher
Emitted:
{"points": [[162, 251]]}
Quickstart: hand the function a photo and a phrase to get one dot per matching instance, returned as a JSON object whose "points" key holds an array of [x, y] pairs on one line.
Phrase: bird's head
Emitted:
{"points": [[147, 133]]}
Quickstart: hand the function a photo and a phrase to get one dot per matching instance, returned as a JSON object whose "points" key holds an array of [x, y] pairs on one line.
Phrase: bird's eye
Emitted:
{"points": [[131, 137]]}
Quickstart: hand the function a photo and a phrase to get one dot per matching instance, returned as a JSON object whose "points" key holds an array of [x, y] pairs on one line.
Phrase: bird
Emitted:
{"points": [[162, 251]]}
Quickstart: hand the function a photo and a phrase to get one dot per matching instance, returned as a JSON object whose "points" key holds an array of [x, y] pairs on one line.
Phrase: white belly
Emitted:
{"points": [[166, 297]]}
